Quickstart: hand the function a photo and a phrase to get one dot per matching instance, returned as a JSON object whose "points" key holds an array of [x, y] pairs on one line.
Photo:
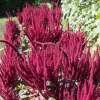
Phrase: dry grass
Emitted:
{"points": [[2, 28]]}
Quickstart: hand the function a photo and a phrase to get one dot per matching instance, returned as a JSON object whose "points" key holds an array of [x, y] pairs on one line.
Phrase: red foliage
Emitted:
{"points": [[8, 74], [42, 23], [59, 63]]}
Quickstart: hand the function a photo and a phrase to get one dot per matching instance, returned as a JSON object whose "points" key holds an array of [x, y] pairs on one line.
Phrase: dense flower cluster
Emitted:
{"points": [[58, 63]]}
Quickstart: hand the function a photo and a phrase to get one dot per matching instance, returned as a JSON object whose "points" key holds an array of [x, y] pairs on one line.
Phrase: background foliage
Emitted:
{"points": [[12, 5], [84, 13]]}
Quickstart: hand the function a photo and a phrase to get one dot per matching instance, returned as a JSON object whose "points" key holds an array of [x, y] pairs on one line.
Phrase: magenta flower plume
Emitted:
{"points": [[11, 30], [97, 68], [42, 23], [8, 74], [56, 2], [8, 77]]}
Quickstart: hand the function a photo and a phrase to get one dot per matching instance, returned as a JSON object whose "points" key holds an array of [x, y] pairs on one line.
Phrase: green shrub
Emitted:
{"points": [[84, 13]]}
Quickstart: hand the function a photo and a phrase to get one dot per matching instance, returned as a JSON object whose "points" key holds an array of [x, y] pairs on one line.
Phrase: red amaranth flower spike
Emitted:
{"points": [[8, 77], [58, 64]]}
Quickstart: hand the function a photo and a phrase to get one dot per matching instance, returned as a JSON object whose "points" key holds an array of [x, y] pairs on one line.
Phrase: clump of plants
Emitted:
{"points": [[42, 61]]}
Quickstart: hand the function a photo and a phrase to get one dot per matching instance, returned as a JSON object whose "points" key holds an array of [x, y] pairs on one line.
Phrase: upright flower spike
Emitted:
{"points": [[8, 78], [97, 68], [56, 2], [11, 30], [6, 92], [8, 65], [11, 35], [72, 42]]}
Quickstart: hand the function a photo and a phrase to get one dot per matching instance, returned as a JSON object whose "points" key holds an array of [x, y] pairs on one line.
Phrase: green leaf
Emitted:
{"points": [[98, 16]]}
